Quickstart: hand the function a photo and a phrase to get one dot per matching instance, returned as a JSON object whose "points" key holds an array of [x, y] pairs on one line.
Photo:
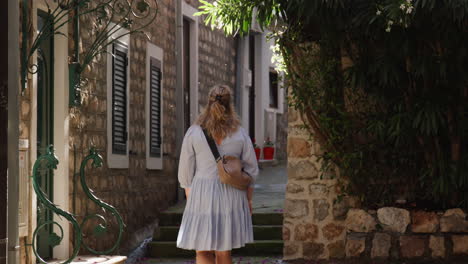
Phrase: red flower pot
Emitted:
{"points": [[268, 153], [257, 153]]}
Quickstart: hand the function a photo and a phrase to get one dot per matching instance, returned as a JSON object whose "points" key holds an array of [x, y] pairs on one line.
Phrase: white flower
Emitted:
{"points": [[390, 22], [388, 29], [409, 10], [378, 12], [401, 20], [409, 1], [402, 6]]}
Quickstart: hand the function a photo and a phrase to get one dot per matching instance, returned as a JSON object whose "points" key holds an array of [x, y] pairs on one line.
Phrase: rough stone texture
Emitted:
{"points": [[355, 246], [381, 245], [437, 246], [424, 222], [303, 169], [298, 148], [336, 249], [286, 233], [394, 219], [454, 220], [312, 250], [321, 207], [294, 188], [412, 246], [340, 209], [318, 189], [296, 208], [291, 249], [460, 244], [359, 220], [305, 232], [331, 231]]}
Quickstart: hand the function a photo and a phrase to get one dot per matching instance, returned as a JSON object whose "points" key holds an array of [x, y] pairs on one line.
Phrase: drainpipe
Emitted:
{"points": [[179, 93], [13, 132]]}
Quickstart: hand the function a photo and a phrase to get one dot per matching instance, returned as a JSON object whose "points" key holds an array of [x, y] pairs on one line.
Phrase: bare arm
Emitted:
{"points": [[187, 192]]}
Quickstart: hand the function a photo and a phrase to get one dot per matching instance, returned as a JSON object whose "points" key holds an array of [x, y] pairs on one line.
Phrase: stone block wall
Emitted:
{"points": [[137, 193], [313, 225], [318, 225], [398, 234]]}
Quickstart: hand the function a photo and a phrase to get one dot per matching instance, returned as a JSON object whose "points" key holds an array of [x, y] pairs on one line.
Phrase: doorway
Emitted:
{"points": [[45, 114]]}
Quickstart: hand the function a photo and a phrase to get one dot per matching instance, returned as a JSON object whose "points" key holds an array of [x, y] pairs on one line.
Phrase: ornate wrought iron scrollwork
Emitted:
{"points": [[102, 227], [51, 162], [108, 16]]}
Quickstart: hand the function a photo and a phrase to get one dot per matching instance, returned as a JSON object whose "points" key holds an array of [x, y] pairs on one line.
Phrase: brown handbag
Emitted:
{"points": [[229, 167]]}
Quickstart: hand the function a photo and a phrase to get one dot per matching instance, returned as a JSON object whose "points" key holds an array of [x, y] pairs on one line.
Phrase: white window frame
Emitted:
{"points": [[188, 12], [117, 161], [153, 51]]}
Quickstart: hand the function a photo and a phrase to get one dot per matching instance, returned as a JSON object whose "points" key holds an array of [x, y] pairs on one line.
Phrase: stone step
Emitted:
{"points": [[95, 260], [168, 249], [174, 219], [261, 232]]}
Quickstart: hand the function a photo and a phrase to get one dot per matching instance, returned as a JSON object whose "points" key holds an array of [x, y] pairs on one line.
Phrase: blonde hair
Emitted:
{"points": [[219, 117]]}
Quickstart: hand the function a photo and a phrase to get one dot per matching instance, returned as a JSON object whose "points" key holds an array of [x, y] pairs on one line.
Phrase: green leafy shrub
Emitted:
{"points": [[383, 86]]}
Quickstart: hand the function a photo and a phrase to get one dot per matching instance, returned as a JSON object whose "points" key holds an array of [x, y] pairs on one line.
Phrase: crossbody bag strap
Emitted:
{"points": [[212, 145]]}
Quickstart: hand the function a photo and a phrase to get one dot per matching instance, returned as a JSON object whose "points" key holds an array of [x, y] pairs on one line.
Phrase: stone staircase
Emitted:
{"points": [[267, 235]]}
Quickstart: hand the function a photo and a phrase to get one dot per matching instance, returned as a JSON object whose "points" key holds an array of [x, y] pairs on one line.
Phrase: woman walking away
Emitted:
{"points": [[217, 217]]}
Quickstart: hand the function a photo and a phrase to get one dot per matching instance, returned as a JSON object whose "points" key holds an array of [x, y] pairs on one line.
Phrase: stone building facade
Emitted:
{"points": [[138, 192]]}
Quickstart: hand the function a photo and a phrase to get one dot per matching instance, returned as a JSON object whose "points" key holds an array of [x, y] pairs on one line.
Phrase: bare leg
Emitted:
{"points": [[205, 257], [223, 257]]}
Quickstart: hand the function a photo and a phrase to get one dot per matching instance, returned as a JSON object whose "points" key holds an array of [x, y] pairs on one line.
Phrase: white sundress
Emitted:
{"points": [[217, 215]]}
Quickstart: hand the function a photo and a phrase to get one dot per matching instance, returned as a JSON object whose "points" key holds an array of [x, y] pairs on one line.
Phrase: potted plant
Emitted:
{"points": [[256, 148], [268, 149]]}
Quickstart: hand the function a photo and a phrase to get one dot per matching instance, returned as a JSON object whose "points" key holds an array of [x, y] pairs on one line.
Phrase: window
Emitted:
{"points": [[118, 86], [274, 89], [154, 109], [119, 98]]}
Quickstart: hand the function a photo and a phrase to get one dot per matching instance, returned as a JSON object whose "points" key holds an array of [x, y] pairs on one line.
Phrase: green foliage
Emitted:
{"points": [[383, 87]]}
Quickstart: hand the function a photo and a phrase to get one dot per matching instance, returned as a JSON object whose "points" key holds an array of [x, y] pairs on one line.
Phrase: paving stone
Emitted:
{"points": [[394, 219], [424, 222], [381, 245], [358, 220]]}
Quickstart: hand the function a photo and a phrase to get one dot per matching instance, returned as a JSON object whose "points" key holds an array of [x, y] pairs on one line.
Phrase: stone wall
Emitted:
{"points": [[394, 233], [319, 224], [137, 193], [313, 219], [217, 58]]}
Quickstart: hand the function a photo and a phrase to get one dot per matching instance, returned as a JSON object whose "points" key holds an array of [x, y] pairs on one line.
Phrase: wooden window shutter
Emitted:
{"points": [[119, 98], [155, 108]]}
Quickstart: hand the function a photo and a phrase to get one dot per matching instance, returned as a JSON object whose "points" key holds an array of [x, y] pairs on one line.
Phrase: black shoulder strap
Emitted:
{"points": [[212, 145]]}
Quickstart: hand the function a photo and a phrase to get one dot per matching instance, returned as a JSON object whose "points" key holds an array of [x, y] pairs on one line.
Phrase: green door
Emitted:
{"points": [[45, 110]]}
